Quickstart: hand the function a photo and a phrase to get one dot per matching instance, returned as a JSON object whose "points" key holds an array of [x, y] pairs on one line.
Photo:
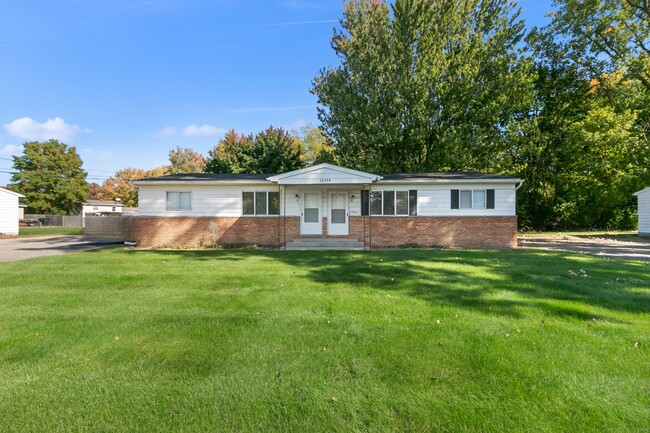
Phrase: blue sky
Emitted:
{"points": [[125, 81]]}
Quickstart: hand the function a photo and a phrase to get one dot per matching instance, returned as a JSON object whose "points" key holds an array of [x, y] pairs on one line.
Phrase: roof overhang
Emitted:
{"points": [[324, 174], [200, 182], [644, 190], [452, 181], [5, 190]]}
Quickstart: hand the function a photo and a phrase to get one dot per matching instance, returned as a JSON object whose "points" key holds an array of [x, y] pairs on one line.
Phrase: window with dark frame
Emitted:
{"points": [[472, 199], [260, 203], [389, 203]]}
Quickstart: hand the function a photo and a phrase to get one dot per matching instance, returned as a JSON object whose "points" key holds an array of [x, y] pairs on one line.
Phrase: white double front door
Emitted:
{"points": [[311, 222]]}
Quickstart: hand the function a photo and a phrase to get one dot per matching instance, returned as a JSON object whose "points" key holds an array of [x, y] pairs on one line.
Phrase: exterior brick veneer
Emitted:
{"points": [[461, 232], [451, 232]]}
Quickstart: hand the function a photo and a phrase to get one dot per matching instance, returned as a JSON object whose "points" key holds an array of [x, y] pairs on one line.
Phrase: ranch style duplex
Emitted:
{"points": [[470, 210]]}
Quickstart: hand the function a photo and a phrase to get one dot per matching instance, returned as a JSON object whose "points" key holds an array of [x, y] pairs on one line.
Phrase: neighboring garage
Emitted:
{"points": [[9, 211], [644, 211]]}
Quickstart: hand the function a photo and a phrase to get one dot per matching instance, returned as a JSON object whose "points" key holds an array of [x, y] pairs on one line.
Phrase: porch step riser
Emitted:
{"points": [[324, 244]]}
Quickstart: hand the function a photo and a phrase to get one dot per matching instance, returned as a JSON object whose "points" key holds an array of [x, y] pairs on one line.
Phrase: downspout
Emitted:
{"points": [[370, 216], [278, 221], [284, 217]]}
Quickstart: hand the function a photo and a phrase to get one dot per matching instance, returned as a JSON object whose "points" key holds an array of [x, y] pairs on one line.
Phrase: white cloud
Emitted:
{"points": [[97, 154], [11, 149], [202, 131], [167, 131], [29, 129]]}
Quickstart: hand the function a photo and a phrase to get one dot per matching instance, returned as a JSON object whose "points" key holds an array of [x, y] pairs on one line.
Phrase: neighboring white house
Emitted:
{"points": [[644, 211], [9, 211], [327, 201], [101, 207]]}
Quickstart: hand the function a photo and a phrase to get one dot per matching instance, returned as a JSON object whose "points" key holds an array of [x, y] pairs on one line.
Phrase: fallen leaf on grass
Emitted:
{"points": [[334, 398], [637, 345]]}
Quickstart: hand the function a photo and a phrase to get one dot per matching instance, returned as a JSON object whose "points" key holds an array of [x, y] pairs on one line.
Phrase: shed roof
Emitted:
{"points": [[102, 203]]}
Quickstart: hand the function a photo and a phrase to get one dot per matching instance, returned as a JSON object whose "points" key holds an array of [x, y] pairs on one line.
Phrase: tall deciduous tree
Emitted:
{"points": [[432, 86], [271, 151], [50, 176], [317, 145], [185, 161], [120, 186], [606, 35]]}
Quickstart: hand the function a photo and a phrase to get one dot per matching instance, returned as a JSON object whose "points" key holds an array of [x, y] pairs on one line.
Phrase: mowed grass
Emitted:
{"points": [[48, 231], [251, 341]]}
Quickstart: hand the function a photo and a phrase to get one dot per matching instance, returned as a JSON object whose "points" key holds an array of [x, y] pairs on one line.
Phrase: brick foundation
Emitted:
{"points": [[460, 232]]}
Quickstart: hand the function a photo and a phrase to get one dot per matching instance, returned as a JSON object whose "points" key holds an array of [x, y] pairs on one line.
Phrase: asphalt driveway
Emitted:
{"points": [[28, 247], [628, 248]]}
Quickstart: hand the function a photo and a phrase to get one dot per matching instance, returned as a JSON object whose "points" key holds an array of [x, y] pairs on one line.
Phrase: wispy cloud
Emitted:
{"points": [[11, 149], [271, 109], [167, 131], [29, 129], [202, 131], [78, 23], [97, 154], [299, 23]]}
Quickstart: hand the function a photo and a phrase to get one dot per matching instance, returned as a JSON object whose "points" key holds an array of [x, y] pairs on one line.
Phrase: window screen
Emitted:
{"points": [[402, 203], [479, 199], [249, 203], [274, 203], [375, 202], [466, 199], [185, 201], [172, 201], [389, 202]]}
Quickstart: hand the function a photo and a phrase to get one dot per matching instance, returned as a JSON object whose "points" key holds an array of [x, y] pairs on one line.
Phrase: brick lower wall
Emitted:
{"points": [[461, 232], [451, 232]]}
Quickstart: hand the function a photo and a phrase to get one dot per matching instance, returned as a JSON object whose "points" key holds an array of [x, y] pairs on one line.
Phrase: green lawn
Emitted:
{"points": [[418, 340], [620, 234], [47, 231]]}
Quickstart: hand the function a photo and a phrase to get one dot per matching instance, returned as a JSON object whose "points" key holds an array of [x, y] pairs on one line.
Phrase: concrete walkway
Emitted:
{"points": [[28, 247], [632, 248]]}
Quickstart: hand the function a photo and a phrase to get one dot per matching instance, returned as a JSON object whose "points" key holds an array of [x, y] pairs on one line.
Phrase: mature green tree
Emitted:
{"points": [[185, 161], [606, 35], [581, 152], [277, 151], [120, 186], [317, 145], [425, 85], [233, 154], [271, 151], [50, 176]]}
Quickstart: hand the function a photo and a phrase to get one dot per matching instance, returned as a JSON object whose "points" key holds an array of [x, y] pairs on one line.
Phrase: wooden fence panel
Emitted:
{"points": [[109, 227]]}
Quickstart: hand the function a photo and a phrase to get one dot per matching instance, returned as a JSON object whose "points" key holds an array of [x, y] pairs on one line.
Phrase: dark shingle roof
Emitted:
{"points": [[208, 177], [446, 176], [450, 175]]}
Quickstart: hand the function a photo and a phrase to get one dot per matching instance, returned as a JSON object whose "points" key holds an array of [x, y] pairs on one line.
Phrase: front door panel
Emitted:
{"points": [[337, 221], [310, 217]]}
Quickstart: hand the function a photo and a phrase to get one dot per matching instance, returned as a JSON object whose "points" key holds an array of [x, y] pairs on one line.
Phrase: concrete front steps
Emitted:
{"points": [[324, 244]]}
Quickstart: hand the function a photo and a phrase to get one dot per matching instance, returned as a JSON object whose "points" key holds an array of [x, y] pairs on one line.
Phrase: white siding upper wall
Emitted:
{"points": [[207, 200], [644, 211], [8, 213], [226, 200]]}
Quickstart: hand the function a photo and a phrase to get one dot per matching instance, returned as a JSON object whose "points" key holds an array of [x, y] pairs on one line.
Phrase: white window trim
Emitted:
{"points": [[268, 202], [395, 191], [472, 207], [178, 201]]}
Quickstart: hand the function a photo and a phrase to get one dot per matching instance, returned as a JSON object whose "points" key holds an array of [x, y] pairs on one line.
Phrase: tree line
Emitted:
{"points": [[460, 85], [457, 85], [51, 176]]}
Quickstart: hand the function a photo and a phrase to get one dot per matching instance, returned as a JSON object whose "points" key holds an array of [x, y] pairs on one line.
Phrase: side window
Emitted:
{"points": [[178, 201], [260, 203], [472, 199]]}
